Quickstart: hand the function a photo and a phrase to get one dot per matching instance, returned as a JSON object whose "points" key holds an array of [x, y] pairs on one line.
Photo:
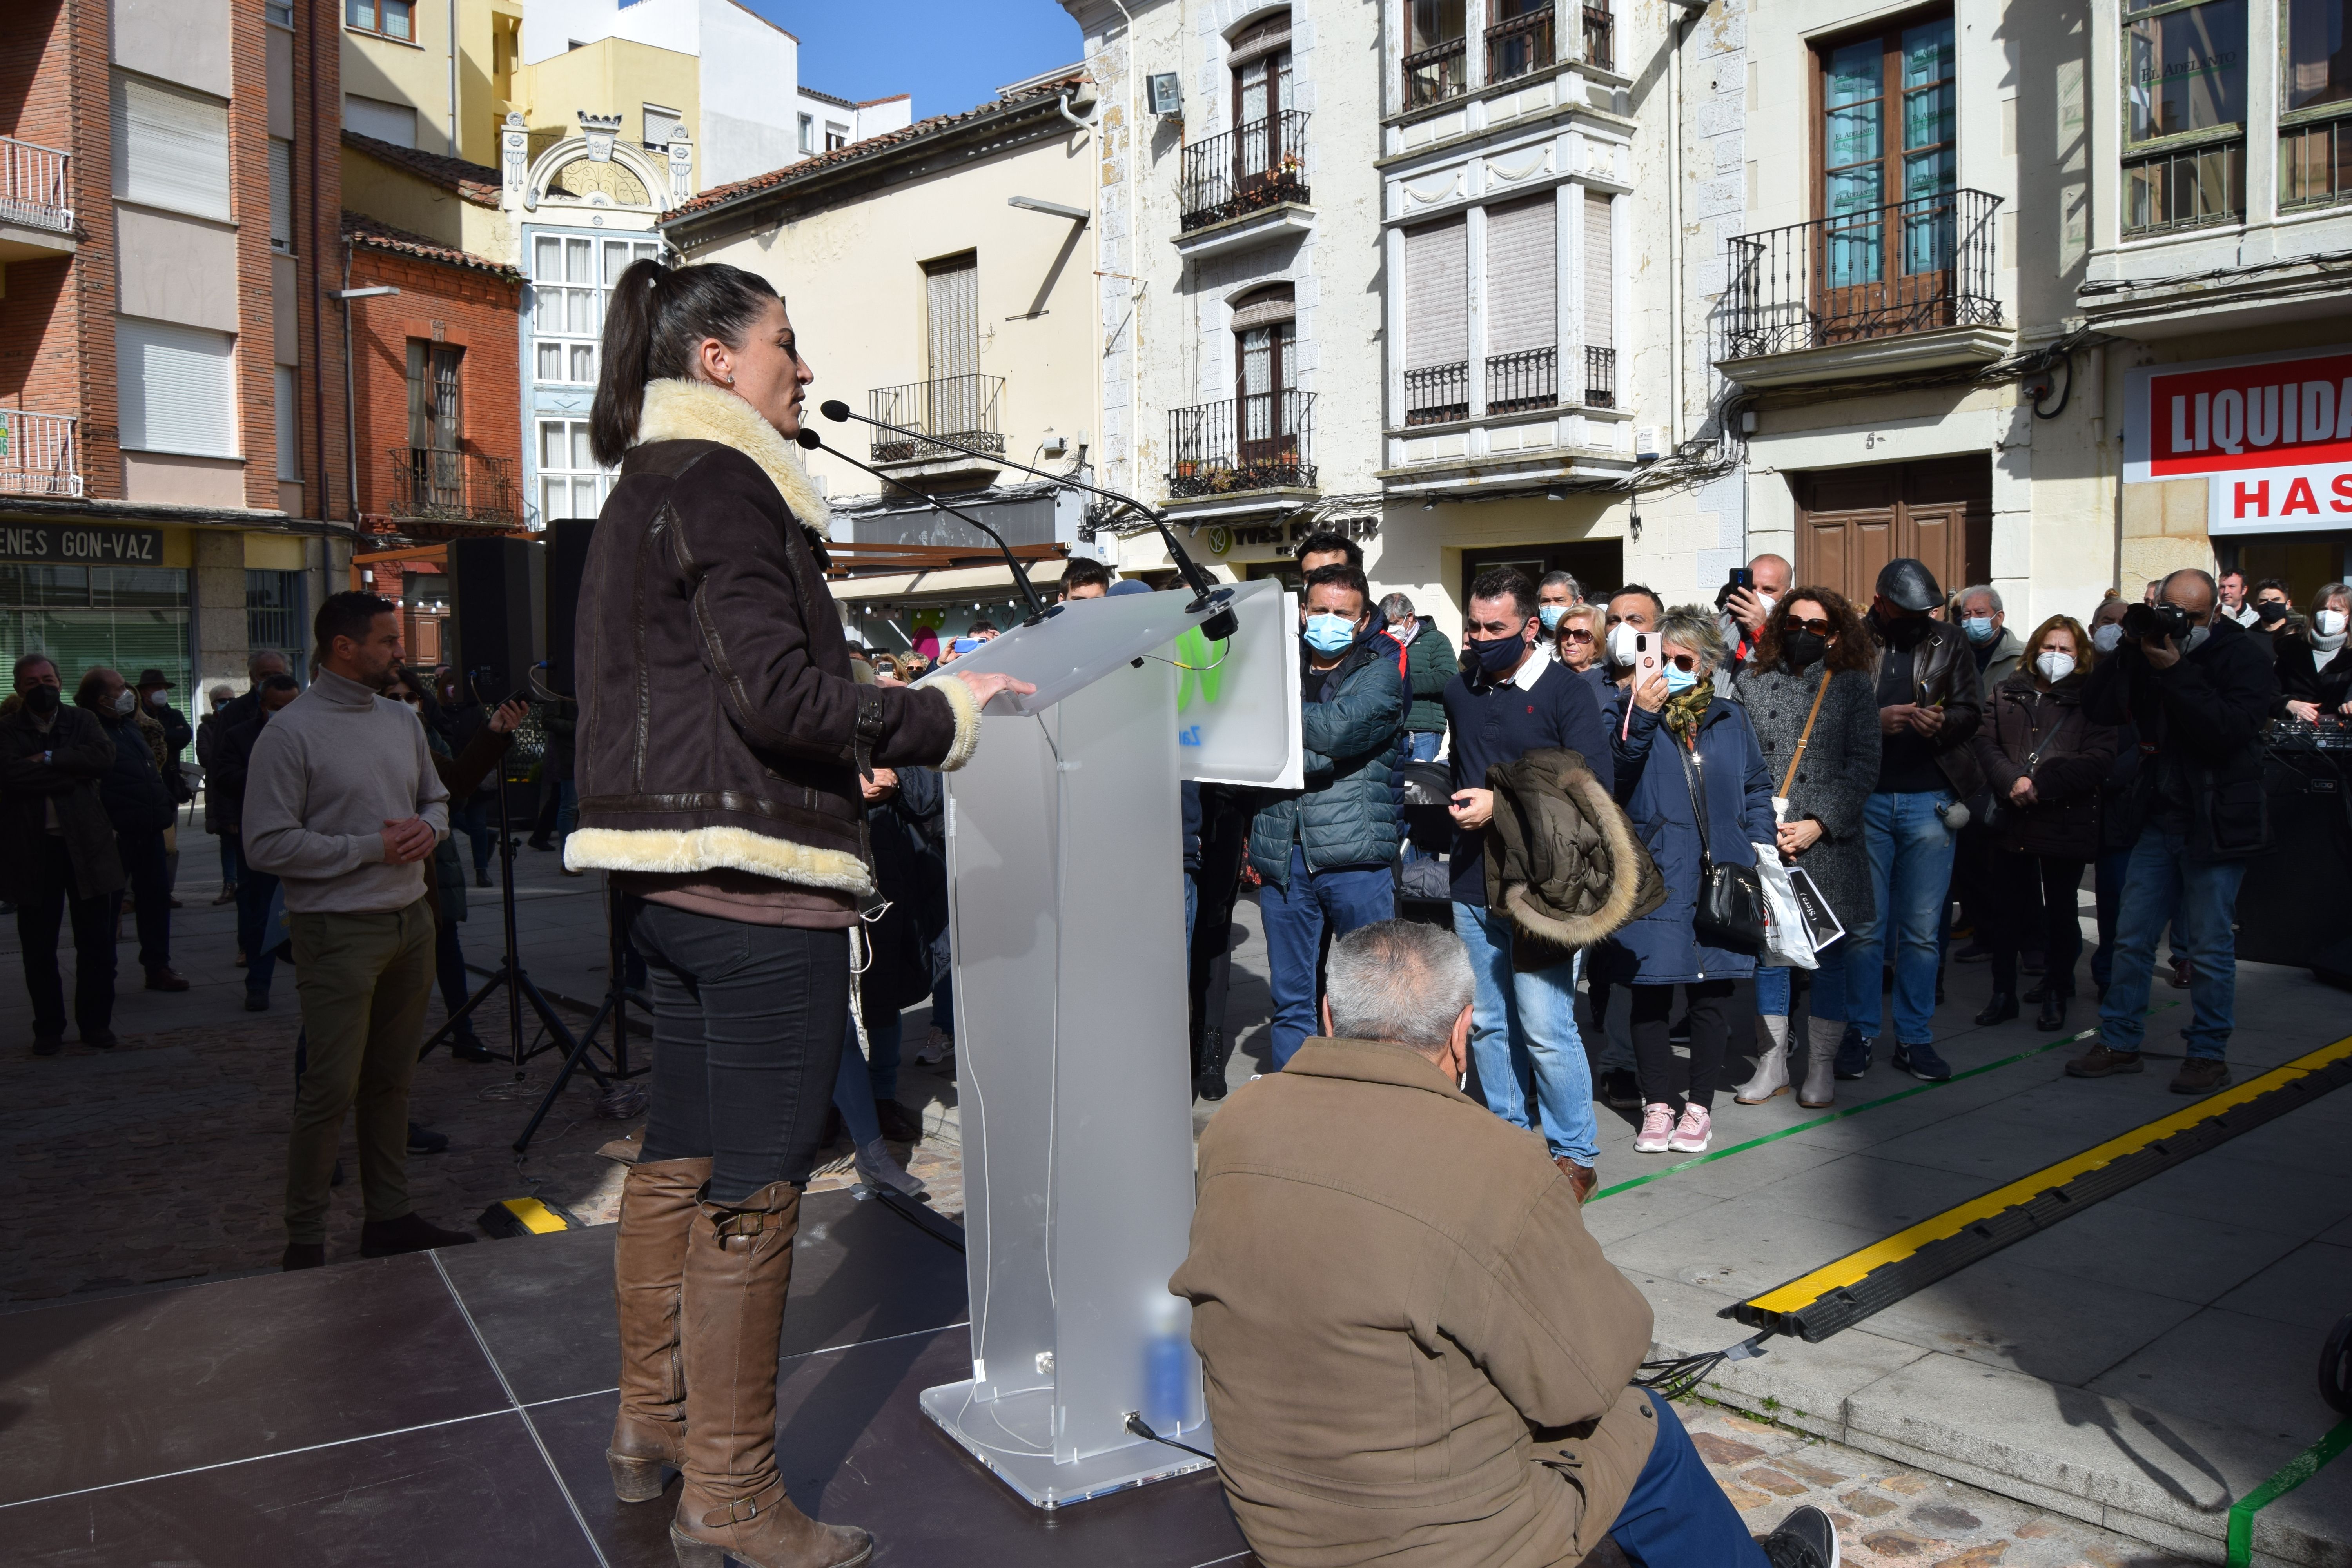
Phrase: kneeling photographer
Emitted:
{"points": [[2197, 686]]}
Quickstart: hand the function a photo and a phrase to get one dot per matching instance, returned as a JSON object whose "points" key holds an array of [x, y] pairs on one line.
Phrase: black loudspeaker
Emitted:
{"points": [[2310, 792], [567, 563], [498, 605]]}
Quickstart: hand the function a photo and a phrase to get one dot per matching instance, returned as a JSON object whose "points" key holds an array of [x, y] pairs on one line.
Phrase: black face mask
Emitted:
{"points": [[1803, 649], [2270, 612], [42, 701], [1906, 632]]}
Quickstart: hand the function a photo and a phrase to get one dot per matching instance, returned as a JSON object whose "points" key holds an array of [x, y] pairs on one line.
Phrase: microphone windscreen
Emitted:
{"points": [[835, 409], [810, 440]]}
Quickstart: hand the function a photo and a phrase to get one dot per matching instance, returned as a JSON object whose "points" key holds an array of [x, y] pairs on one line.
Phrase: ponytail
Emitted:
{"points": [[657, 318]]}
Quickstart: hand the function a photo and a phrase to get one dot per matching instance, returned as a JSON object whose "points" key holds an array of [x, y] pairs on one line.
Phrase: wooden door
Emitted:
{"points": [[1852, 521]]}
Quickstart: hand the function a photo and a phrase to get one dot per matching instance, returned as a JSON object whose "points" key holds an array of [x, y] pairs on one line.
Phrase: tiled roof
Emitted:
{"points": [[894, 98], [808, 91], [472, 181], [857, 151], [361, 229]]}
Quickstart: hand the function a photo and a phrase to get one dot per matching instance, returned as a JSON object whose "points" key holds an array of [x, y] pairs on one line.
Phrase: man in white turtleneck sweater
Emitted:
{"points": [[342, 804]]}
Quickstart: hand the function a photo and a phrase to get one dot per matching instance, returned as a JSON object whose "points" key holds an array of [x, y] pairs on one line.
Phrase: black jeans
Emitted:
{"points": [[450, 969], [150, 886], [2035, 899], [747, 1043], [254, 892], [38, 920], [1710, 1036]]}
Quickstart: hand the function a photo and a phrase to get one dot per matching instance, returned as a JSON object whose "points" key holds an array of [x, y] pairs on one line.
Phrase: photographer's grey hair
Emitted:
{"points": [[1398, 981]]}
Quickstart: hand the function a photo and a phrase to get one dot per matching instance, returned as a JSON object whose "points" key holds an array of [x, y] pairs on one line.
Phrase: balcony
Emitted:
{"points": [[1438, 394], [959, 409], [1437, 73], [1600, 378], [1259, 441], [1888, 291], [441, 494], [1600, 37], [38, 455], [1255, 170], [1519, 45], [36, 217]]}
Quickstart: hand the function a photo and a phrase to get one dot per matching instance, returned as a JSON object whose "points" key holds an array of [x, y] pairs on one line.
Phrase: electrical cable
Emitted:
{"points": [[1136, 1425], [1679, 1378], [1224, 643]]}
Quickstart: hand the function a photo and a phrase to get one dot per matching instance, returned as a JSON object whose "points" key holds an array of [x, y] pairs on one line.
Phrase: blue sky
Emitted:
{"points": [[950, 54]]}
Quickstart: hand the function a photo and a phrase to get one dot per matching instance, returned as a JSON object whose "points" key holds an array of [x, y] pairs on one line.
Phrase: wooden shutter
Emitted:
{"points": [[1523, 276], [420, 396], [289, 425], [1599, 271], [281, 194], [176, 388], [171, 147], [954, 299], [1436, 293]]}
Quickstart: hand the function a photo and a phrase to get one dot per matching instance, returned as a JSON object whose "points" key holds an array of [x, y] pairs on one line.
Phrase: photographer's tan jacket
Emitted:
{"points": [[1415, 1352]]}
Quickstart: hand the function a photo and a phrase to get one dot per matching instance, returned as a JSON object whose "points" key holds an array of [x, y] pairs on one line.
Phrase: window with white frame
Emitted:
{"points": [[1523, 304], [808, 132], [386, 18], [661, 125], [835, 136], [571, 484], [170, 147], [2315, 107], [1438, 322], [2184, 114], [571, 276], [1599, 299], [176, 387]]}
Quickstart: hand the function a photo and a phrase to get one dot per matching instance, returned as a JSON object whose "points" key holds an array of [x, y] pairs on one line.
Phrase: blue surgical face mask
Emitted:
{"points": [[1679, 680], [1328, 634], [1497, 656], [1550, 615], [1978, 627]]}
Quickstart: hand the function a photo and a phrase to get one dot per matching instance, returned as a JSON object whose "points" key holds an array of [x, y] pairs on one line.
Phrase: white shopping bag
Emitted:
{"points": [[1788, 944]]}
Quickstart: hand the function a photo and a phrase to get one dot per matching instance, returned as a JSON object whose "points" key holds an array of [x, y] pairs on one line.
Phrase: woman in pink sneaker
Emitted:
{"points": [[1682, 745]]}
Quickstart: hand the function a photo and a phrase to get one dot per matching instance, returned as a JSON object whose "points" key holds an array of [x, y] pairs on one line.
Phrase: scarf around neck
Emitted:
{"points": [[1685, 709]]}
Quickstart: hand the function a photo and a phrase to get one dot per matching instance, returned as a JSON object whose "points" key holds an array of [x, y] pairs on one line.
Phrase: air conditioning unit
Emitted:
{"points": [[1165, 94]]}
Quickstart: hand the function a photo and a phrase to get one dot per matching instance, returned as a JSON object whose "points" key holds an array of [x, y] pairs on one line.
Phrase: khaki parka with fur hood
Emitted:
{"points": [[720, 723]]}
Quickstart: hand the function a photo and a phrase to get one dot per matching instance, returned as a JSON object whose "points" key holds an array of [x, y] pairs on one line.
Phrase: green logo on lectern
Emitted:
{"points": [[1200, 665]]}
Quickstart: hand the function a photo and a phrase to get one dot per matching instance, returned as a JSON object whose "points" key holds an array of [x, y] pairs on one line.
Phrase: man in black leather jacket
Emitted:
{"points": [[1929, 706], [2198, 702]]}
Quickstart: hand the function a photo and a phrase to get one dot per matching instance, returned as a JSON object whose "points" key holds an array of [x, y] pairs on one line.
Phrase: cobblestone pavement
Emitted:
{"points": [[1888, 1514]]}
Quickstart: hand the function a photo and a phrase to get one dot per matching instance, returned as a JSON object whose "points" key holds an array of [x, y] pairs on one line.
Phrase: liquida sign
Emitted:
{"points": [[2271, 436]]}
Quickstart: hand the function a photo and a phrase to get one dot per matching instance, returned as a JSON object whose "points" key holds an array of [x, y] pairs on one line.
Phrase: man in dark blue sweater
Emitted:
{"points": [[1509, 701]]}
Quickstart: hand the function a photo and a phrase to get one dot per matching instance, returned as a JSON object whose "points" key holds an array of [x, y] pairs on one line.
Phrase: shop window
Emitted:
{"points": [[2184, 114], [124, 618], [274, 621]]}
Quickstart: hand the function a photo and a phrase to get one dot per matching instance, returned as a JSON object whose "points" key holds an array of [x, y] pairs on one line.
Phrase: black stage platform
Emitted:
{"points": [[452, 1409]]}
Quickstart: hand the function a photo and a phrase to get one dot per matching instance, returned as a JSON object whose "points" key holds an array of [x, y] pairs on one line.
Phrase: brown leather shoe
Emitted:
{"points": [[2101, 1062], [302, 1255], [657, 1204], [2202, 1075], [166, 980], [1582, 1179], [739, 1265]]}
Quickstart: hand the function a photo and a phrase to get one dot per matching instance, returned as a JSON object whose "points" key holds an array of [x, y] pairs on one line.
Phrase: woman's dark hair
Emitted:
{"points": [[657, 317], [1853, 648]]}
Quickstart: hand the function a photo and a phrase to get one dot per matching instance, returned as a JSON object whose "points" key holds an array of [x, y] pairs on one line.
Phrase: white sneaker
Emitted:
{"points": [[1692, 1132], [936, 1048], [1657, 1130]]}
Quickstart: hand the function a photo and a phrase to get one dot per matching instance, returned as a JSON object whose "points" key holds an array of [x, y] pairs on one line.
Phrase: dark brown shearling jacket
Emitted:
{"points": [[1414, 1353], [720, 725]]}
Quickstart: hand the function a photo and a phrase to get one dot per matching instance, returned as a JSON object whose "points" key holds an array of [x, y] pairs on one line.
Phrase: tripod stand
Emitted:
{"points": [[616, 1006]]}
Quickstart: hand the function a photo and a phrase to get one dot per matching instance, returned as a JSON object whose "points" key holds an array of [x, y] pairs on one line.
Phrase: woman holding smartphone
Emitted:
{"points": [[722, 744]]}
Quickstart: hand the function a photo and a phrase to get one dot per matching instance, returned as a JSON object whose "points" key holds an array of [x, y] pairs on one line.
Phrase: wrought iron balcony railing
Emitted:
{"points": [[1910, 266], [1518, 381], [1521, 44], [35, 189], [1261, 164], [38, 455], [438, 487], [1437, 73], [958, 408], [1436, 394], [1600, 378], [1600, 37], [1254, 442]]}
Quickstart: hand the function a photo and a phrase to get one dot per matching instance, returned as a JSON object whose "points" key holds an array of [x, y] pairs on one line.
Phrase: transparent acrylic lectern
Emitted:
{"points": [[1067, 903]]}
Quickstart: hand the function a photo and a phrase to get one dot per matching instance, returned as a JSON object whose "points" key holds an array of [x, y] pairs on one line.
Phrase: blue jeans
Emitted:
{"points": [[473, 819], [1676, 1515], [2162, 883], [228, 860], [1910, 875], [883, 1042], [1772, 993], [853, 1088], [253, 889], [1293, 918], [1524, 1038]]}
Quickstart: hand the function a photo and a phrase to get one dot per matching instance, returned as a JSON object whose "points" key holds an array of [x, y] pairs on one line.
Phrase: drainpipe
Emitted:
{"points": [[1690, 10], [454, 150]]}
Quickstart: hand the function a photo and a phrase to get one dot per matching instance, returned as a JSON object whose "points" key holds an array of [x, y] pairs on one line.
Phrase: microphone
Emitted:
{"points": [[811, 441], [1218, 627]]}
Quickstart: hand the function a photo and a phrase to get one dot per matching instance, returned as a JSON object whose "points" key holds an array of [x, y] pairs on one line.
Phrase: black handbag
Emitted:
{"points": [[1730, 913]]}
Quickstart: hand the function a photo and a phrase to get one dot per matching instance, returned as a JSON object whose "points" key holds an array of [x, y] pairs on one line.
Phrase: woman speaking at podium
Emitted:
{"points": [[721, 743]]}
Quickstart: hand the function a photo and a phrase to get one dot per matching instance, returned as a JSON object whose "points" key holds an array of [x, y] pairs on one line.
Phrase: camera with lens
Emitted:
{"points": [[2153, 623]]}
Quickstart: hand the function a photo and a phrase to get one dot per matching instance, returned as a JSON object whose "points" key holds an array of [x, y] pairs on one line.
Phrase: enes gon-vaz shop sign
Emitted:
{"points": [[79, 544], [2271, 436]]}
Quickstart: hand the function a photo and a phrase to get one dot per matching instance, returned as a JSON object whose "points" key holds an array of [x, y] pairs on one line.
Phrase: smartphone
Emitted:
{"points": [[1647, 662], [1741, 577], [970, 644]]}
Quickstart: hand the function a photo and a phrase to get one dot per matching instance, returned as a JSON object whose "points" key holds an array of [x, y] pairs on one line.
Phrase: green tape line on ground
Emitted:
{"points": [[2298, 1470], [2073, 1039]]}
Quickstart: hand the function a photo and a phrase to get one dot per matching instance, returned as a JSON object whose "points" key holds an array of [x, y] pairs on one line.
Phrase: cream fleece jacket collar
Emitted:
{"points": [[697, 411]]}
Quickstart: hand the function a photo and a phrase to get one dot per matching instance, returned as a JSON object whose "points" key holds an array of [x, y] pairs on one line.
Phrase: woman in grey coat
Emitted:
{"points": [[1822, 781]]}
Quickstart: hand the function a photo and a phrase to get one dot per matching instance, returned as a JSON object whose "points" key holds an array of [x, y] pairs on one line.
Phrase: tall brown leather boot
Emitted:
{"points": [[648, 1261], [739, 1263]]}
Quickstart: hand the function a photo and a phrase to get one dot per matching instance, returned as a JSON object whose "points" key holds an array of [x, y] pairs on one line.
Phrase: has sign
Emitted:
{"points": [[2272, 435], [79, 544]]}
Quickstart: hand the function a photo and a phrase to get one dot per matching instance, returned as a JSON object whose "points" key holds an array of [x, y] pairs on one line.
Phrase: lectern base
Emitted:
{"points": [[1012, 1436]]}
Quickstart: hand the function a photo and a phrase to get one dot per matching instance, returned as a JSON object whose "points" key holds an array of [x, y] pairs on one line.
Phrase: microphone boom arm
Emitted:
{"points": [[811, 440]]}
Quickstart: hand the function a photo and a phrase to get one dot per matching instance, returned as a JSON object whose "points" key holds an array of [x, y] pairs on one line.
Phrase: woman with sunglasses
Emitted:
{"points": [[1808, 693], [1680, 745], [1576, 643]]}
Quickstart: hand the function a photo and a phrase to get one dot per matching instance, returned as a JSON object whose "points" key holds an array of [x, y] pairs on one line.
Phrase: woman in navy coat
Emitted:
{"points": [[1684, 738]]}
